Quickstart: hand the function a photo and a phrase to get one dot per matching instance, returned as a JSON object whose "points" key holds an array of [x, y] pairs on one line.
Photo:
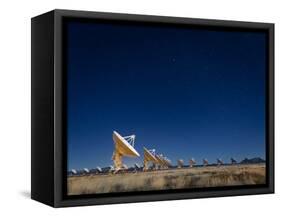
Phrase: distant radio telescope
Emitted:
{"points": [[137, 166], [74, 172], [192, 162], [99, 170], [205, 162], [149, 156], [86, 170], [180, 163], [219, 162], [233, 161], [123, 146]]}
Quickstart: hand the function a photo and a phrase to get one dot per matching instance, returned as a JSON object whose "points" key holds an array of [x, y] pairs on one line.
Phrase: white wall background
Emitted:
{"points": [[15, 106]]}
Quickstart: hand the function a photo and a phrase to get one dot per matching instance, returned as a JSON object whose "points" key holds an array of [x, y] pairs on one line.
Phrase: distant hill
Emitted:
{"points": [[252, 160]]}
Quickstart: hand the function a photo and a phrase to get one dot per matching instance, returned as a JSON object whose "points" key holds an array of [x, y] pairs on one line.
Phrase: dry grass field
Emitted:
{"points": [[210, 176]]}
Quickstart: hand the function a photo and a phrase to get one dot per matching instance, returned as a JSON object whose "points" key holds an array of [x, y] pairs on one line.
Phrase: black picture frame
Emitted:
{"points": [[48, 147]]}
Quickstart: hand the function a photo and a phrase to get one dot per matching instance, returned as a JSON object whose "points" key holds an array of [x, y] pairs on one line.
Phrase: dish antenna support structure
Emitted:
{"points": [[123, 146]]}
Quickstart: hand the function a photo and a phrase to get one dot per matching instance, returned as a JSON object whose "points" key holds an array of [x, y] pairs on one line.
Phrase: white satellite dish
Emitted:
{"points": [[162, 162], [233, 161], [99, 170], [180, 163], [205, 162], [74, 172], [111, 168], [124, 146], [86, 170], [192, 162], [136, 165], [219, 162], [149, 156]]}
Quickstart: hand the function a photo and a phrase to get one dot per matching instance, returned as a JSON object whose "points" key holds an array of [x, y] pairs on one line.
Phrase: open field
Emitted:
{"points": [[211, 176]]}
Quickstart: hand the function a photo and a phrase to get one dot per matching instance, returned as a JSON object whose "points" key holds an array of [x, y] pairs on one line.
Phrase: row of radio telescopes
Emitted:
{"points": [[124, 147]]}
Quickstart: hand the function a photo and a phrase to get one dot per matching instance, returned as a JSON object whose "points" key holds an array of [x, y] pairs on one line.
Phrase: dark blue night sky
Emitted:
{"points": [[185, 92]]}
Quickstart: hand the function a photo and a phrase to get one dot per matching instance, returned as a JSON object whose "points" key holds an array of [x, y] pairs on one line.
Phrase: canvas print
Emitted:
{"points": [[154, 107]]}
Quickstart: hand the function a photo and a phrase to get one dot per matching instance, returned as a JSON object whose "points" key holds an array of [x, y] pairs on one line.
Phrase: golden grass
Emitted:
{"points": [[198, 177]]}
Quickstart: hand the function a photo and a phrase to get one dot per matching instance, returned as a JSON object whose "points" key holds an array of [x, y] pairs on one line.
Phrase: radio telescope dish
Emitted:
{"points": [[74, 172], [192, 162], [161, 159], [86, 170], [124, 146], [205, 162], [111, 168], [233, 161], [99, 170], [219, 162], [149, 156], [180, 163], [137, 166]]}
